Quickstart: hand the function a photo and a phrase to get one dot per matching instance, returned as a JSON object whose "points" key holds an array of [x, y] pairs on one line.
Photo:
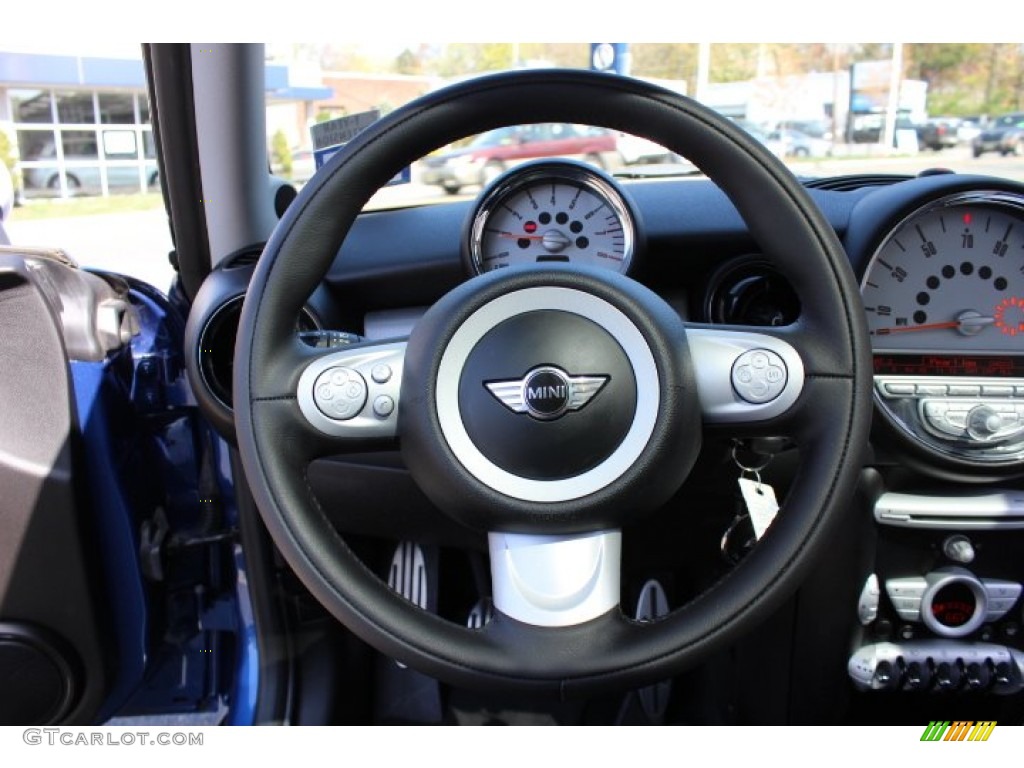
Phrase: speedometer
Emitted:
{"points": [[950, 279], [552, 212]]}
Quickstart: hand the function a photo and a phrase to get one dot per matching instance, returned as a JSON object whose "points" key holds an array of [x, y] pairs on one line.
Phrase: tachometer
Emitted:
{"points": [[552, 212]]}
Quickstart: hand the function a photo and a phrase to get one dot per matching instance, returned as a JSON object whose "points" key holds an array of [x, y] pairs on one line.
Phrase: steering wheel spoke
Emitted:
{"points": [[330, 402], [777, 380], [352, 394], [744, 377]]}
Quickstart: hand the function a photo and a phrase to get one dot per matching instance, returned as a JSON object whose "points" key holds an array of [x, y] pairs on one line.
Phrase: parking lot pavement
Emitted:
{"points": [[135, 243], [956, 159]]}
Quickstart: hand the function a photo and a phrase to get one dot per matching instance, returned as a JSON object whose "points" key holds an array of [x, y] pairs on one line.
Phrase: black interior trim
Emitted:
{"points": [[274, 699], [172, 110]]}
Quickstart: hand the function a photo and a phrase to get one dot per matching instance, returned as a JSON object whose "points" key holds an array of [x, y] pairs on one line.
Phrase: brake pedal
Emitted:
{"points": [[480, 614]]}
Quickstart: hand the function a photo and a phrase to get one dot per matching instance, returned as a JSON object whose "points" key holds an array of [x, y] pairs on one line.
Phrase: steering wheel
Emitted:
{"points": [[552, 407]]}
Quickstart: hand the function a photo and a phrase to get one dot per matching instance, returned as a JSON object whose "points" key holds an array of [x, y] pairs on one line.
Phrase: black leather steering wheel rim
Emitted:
{"points": [[830, 421]]}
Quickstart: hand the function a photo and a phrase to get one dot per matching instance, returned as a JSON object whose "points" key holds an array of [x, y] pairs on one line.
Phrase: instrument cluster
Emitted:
{"points": [[944, 299]]}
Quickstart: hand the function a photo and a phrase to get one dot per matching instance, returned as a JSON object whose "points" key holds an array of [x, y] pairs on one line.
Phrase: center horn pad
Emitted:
{"points": [[547, 395]]}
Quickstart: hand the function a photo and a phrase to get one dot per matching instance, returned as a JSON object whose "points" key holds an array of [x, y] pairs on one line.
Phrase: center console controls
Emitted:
{"points": [[980, 419], [939, 666], [942, 611]]}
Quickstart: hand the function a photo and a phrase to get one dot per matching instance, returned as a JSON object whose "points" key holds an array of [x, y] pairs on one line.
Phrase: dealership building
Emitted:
{"points": [[81, 125]]}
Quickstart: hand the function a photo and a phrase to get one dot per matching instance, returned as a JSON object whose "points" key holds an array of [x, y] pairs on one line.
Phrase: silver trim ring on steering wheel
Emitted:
{"points": [[616, 324]]}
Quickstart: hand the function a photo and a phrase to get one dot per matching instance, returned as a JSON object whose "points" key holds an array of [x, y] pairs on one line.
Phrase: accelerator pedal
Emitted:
{"points": [[648, 705]]}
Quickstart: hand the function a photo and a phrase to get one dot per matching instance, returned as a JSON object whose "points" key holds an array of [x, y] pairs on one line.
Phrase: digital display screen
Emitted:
{"points": [[949, 365]]}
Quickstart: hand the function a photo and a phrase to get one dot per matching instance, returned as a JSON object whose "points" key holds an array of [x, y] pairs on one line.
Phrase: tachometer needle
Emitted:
{"points": [[514, 236]]}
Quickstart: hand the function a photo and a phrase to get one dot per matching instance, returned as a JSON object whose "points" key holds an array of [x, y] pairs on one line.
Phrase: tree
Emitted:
{"points": [[408, 63], [575, 55], [470, 58], [665, 61], [733, 62], [969, 78], [281, 154], [8, 157], [957, 75]]}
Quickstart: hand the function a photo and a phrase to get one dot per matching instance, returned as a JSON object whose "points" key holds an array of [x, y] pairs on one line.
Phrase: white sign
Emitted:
{"points": [[119, 143]]}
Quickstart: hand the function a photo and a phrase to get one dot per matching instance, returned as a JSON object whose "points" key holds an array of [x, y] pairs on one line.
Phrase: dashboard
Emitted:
{"points": [[933, 598]]}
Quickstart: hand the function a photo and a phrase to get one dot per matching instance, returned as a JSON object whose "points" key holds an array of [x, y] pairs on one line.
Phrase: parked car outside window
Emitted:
{"points": [[799, 144], [1004, 135], [491, 153]]}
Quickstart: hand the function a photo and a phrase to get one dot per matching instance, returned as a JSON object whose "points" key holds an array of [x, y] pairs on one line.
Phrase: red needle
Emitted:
{"points": [[520, 237], [925, 327]]}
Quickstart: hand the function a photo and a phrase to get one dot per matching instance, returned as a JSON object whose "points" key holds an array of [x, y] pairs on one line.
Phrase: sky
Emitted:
{"points": [[113, 22]]}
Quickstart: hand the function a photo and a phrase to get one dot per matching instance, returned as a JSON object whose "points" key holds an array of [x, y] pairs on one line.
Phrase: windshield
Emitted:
{"points": [[824, 109]]}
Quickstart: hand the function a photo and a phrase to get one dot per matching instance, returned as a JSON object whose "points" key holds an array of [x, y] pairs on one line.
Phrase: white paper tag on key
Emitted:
{"points": [[759, 499]]}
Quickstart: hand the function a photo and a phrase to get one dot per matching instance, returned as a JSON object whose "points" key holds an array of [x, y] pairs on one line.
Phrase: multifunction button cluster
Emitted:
{"points": [[973, 412], [341, 392], [354, 392], [759, 376]]}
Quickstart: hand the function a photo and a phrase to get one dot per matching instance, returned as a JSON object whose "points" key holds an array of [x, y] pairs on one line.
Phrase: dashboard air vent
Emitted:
{"points": [[855, 182], [243, 257]]}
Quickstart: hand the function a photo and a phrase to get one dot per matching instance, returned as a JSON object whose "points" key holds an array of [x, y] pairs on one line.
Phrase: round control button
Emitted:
{"points": [[759, 376], [983, 422], [759, 389], [383, 406], [339, 393], [381, 373]]}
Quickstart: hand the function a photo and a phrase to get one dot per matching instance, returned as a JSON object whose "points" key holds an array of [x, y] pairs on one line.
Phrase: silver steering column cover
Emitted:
{"points": [[555, 581]]}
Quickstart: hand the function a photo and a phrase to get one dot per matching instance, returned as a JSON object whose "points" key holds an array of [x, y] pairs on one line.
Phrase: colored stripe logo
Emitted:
{"points": [[959, 730]]}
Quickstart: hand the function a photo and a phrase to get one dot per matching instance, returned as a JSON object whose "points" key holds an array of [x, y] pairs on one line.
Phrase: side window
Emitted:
{"points": [[499, 137], [503, 137], [529, 134], [79, 145], [557, 131], [117, 108]]}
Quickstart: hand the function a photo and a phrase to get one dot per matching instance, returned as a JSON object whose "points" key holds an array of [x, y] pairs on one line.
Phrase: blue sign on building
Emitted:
{"points": [[610, 57]]}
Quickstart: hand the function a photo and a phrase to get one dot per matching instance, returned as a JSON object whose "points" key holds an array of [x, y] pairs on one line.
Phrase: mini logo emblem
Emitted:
{"points": [[546, 392]]}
